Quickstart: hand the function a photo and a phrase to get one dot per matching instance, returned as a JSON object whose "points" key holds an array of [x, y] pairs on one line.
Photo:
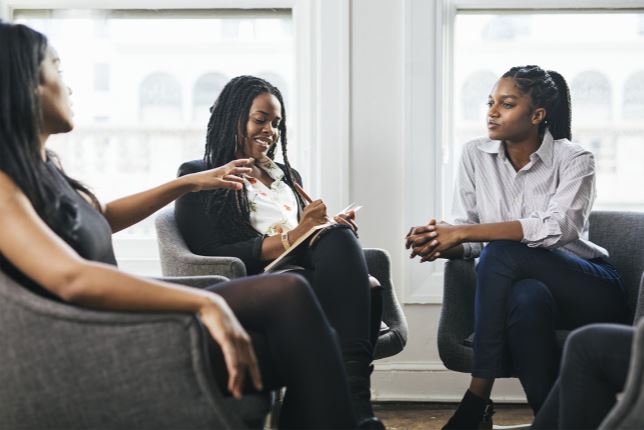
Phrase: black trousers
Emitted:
{"points": [[336, 269], [593, 370], [295, 346]]}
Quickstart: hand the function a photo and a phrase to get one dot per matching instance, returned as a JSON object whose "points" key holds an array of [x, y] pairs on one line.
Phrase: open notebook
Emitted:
{"points": [[286, 257]]}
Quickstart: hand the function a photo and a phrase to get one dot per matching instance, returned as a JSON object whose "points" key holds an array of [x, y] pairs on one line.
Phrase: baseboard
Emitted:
{"points": [[430, 381]]}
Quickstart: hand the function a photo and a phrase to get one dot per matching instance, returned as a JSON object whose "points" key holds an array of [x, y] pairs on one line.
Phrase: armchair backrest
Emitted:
{"points": [[178, 260], [621, 233]]}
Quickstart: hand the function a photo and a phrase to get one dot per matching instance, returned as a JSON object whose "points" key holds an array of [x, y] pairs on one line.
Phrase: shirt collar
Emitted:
{"points": [[271, 168], [545, 151]]}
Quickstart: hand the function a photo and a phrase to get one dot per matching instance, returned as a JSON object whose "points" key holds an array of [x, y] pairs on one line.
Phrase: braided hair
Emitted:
{"points": [[549, 90], [229, 116]]}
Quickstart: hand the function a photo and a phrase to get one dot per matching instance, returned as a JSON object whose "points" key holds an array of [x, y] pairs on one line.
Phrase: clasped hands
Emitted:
{"points": [[433, 240]]}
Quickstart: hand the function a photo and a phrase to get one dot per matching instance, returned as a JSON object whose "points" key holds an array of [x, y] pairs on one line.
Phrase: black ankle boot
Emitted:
{"points": [[486, 419], [359, 379], [468, 414]]}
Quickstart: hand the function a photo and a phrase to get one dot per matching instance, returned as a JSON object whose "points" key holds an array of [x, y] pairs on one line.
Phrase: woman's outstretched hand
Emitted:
{"points": [[227, 176], [235, 345], [431, 240]]}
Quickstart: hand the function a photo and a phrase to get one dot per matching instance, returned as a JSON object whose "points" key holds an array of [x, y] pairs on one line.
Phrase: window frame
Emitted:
{"points": [[428, 111], [322, 70]]}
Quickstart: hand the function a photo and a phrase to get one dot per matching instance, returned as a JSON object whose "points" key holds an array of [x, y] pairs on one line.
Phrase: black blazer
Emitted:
{"points": [[204, 237]]}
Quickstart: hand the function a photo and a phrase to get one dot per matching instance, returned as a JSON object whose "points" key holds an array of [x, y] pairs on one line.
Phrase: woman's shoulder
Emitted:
{"points": [[565, 150], [193, 166]]}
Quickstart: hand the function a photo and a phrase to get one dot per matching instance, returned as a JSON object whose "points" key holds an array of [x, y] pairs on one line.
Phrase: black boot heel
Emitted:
{"points": [[359, 379], [468, 414]]}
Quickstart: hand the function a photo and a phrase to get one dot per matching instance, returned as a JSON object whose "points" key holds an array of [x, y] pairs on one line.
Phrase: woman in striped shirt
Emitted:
{"points": [[527, 192]]}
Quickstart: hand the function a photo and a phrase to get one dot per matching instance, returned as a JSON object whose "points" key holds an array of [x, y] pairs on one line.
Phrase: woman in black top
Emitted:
{"points": [[70, 254], [259, 221]]}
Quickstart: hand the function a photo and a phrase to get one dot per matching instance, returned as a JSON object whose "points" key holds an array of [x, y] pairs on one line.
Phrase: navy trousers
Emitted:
{"points": [[523, 295]]}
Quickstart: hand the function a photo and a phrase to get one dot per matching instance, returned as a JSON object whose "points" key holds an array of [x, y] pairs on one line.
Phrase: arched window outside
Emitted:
{"points": [[591, 96], [475, 90], [634, 96], [160, 98], [204, 93]]}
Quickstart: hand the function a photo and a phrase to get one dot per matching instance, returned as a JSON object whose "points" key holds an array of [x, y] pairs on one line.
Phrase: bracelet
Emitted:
{"points": [[285, 242]]}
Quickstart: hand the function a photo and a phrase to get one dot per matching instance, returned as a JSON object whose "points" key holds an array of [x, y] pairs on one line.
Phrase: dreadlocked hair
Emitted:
{"points": [[549, 90], [229, 116]]}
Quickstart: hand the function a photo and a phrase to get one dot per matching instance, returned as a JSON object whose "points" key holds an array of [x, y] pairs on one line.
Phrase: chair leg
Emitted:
{"points": [[273, 417]]}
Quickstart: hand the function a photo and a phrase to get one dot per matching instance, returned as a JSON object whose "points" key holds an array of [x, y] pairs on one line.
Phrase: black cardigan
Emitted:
{"points": [[204, 237]]}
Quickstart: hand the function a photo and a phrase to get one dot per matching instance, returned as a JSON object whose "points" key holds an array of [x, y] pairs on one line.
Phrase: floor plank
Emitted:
{"points": [[430, 416]]}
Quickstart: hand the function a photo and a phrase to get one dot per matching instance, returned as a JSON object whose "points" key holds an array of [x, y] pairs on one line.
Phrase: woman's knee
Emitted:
{"points": [[499, 249], [292, 285], [496, 253]]}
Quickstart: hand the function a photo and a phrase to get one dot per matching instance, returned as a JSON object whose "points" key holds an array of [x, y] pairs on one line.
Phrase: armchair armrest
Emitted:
{"points": [[628, 412], [184, 263], [193, 281], [391, 343], [69, 367], [639, 309], [457, 314]]}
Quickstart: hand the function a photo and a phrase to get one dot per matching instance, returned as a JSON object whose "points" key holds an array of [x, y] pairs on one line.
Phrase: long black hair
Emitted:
{"points": [[229, 116], [22, 51], [549, 90]]}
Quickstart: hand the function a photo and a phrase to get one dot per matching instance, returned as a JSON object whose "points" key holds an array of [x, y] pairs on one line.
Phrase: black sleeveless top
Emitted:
{"points": [[78, 223]]}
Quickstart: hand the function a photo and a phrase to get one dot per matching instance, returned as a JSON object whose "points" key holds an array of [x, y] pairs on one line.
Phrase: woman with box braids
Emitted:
{"points": [[230, 108], [261, 221], [525, 192]]}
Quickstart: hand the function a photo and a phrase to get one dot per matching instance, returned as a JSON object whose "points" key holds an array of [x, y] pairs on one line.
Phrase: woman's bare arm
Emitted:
{"points": [[55, 266], [127, 211]]}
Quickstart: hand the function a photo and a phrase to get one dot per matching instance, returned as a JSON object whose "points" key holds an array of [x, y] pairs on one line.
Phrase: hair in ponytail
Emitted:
{"points": [[549, 90]]}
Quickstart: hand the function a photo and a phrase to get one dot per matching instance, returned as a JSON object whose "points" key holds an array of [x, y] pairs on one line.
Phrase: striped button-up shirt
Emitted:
{"points": [[551, 196]]}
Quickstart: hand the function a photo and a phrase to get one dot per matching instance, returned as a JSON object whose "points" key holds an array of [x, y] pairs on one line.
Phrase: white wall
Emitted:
{"points": [[377, 175]]}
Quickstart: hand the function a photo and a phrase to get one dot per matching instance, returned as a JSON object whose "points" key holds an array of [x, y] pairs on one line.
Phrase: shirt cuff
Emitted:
{"points": [[536, 230]]}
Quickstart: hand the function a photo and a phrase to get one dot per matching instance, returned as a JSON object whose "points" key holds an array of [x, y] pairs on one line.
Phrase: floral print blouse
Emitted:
{"points": [[274, 209]]}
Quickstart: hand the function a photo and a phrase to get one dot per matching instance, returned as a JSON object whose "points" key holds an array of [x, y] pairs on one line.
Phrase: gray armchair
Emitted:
{"points": [[64, 367], [178, 260], [618, 232], [628, 413]]}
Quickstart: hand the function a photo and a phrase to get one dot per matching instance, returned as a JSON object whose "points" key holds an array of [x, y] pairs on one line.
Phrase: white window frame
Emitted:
{"points": [[322, 48], [428, 59]]}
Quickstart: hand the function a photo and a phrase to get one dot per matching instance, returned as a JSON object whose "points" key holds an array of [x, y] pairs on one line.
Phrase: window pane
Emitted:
{"points": [[143, 83], [599, 54]]}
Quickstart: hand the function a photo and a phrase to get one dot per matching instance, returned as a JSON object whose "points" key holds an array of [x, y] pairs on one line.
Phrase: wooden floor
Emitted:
{"points": [[430, 416]]}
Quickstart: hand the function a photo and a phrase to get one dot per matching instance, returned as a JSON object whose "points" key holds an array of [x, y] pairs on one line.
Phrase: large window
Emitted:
{"points": [[600, 55], [452, 63], [143, 82]]}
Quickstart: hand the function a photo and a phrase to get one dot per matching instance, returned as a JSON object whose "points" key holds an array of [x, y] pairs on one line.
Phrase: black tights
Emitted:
{"points": [[295, 347]]}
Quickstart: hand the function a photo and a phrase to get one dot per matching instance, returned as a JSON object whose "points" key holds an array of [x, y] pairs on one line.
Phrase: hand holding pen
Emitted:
{"points": [[346, 216]]}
